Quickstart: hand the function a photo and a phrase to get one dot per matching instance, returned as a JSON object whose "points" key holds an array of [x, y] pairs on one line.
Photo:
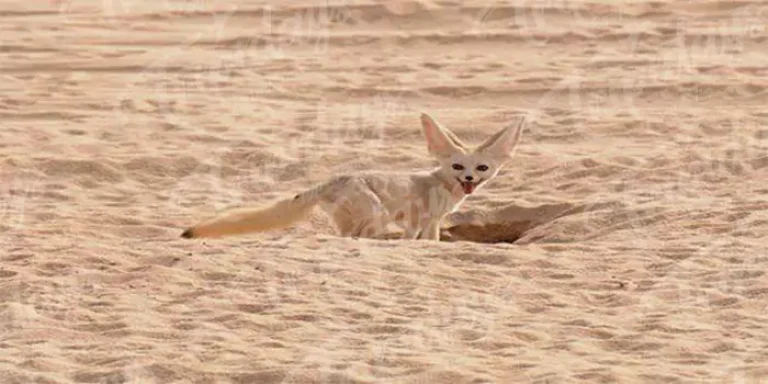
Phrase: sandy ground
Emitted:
{"points": [[638, 194]]}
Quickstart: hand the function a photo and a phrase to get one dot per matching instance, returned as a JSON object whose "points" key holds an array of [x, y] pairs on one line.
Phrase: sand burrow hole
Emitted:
{"points": [[518, 224], [560, 222]]}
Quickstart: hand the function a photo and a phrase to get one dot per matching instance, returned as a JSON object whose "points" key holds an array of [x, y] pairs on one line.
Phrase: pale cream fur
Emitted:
{"points": [[364, 204]]}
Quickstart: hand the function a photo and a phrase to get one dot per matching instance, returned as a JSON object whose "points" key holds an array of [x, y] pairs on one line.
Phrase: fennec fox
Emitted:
{"points": [[363, 204]]}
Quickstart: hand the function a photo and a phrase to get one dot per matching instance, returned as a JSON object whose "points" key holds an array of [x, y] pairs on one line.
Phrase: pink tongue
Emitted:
{"points": [[468, 187]]}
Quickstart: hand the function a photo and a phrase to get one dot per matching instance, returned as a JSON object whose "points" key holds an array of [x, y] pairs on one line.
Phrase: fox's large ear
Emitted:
{"points": [[440, 142], [503, 143]]}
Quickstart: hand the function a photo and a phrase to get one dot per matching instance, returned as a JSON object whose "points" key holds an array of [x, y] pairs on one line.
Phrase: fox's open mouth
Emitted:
{"points": [[469, 186]]}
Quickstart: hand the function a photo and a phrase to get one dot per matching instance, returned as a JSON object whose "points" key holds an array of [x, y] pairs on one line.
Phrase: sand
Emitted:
{"points": [[625, 243]]}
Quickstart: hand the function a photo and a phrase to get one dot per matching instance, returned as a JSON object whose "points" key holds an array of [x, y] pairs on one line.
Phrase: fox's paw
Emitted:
{"points": [[188, 234]]}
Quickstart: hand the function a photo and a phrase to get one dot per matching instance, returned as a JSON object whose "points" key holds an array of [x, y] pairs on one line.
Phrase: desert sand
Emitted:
{"points": [[625, 243]]}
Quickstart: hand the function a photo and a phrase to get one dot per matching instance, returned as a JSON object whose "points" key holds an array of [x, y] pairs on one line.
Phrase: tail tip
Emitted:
{"points": [[187, 234]]}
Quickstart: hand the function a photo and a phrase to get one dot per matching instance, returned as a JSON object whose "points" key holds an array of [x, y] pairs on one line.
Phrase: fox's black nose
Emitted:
{"points": [[469, 178]]}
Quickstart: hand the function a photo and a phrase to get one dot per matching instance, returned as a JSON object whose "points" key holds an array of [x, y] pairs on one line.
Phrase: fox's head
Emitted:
{"points": [[470, 168]]}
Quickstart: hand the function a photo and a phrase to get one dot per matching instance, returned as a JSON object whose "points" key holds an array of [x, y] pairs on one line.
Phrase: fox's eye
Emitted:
{"points": [[482, 167], [458, 167]]}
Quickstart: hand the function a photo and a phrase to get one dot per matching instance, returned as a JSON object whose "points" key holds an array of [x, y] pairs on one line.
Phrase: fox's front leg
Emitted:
{"points": [[411, 234], [431, 231]]}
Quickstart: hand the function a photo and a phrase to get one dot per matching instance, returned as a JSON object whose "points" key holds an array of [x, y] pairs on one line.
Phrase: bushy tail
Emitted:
{"points": [[246, 220], [280, 215]]}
